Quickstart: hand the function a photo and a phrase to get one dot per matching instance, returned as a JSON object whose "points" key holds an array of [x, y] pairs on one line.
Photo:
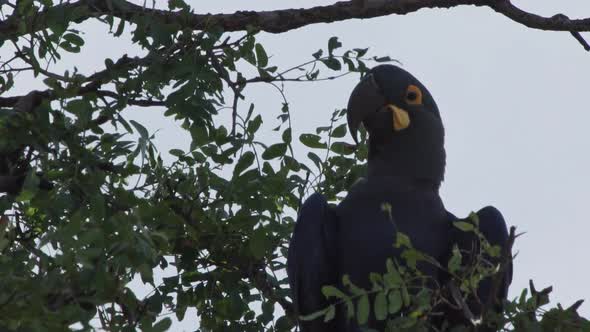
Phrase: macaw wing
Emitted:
{"points": [[311, 261]]}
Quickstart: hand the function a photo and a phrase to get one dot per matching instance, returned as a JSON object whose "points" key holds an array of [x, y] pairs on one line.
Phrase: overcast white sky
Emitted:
{"points": [[513, 101]]}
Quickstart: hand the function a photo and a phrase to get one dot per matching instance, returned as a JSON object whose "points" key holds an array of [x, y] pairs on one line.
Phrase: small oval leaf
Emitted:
{"points": [[274, 151], [395, 302], [362, 310], [380, 306], [261, 56], [244, 162], [312, 141], [464, 226]]}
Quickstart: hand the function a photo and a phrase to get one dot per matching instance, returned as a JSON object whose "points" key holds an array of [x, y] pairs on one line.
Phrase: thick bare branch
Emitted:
{"points": [[279, 21]]}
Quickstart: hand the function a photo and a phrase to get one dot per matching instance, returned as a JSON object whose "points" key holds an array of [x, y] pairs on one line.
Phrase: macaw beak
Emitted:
{"points": [[366, 98]]}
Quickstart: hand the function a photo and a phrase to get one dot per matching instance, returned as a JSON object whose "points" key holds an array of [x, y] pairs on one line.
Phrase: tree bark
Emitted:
{"points": [[279, 21]]}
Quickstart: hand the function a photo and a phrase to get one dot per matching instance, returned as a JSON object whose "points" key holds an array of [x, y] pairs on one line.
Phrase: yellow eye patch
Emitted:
{"points": [[413, 95]]}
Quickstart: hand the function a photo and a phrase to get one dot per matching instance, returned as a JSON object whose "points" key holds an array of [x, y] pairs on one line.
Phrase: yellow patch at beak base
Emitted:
{"points": [[401, 118]]}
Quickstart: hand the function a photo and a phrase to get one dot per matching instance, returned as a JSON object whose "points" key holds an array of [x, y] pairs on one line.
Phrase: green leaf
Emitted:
{"points": [[274, 151], [244, 162], [493, 251], [261, 56], [332, 63], [162, 325], [474, 217], [331, 291], [312, 141], [143, 133], [30, 187], [382, 59], [316, 159], [333, 44], [254, 124], [318, 54], [69, 47], [355, 290], [319, 130], [292, 163], [402, 241], [392, 279], [73, 39], [287, 135], [395, 302], [330, 313], [360, 52], [97, 206], [108, 63], [405, 295], [390, 266], [314, 315], [284, 323], [350, 64], [176, 152], [455, 261], [120, 28], [259, 243], [342, 148], [363, 310], [177, 4], [412, 257], [376, 280], [464, 226], [82, 109], [349, 309], [339, 131], [380, 306]]}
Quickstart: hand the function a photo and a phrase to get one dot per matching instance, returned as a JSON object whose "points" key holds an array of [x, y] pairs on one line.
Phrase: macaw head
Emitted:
{"points": [[406, 134]]}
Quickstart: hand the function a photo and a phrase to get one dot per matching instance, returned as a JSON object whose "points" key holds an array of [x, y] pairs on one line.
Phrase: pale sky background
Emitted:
{"points": [[513, 101]]}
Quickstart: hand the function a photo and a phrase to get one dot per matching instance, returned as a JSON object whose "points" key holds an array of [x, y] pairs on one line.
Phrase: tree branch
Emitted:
{"points": [[93, 83], [134, 102], [557, 22], [260, 279], [283, 20]]}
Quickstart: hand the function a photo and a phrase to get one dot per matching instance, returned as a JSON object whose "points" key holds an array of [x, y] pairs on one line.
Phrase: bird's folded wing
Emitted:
{"points": [[311, 261]]}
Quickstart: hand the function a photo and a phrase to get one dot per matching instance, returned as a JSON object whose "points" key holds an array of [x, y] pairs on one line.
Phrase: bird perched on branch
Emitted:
{"points": [[406, 165]]}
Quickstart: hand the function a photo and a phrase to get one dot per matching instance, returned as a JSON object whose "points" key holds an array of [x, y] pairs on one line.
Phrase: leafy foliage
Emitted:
{"points": [[90, 204], [408, 301]]}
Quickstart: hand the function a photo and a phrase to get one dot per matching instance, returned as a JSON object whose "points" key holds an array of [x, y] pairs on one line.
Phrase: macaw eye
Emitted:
{"points": [[413, 95]]}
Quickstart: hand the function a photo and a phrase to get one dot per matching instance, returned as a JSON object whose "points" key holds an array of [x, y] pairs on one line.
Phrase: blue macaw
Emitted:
{"points": [[406, 165]]}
